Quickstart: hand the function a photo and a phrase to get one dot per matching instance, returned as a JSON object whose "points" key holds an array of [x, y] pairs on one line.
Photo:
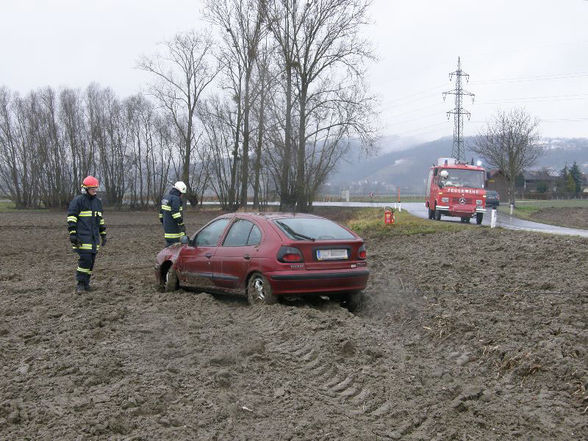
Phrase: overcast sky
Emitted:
{"points": [[518, 53]]}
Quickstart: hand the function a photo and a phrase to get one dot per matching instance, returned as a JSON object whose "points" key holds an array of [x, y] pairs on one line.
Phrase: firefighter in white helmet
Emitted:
{"points": [[171, 213]]}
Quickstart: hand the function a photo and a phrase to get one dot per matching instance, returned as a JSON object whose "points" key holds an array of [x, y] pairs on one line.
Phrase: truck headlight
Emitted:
{"points": [[446, 200], [478, 202]]}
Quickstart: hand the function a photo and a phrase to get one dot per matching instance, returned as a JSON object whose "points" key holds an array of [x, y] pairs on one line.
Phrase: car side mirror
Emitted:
{"points": [[184, 240]]}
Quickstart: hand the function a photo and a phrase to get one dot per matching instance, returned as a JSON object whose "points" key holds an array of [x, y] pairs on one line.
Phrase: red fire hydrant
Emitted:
{"points": [[389, 215]]}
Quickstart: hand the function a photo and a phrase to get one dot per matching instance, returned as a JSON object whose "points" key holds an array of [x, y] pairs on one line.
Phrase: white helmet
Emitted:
{"points": [[444, 174], [181, 187]]}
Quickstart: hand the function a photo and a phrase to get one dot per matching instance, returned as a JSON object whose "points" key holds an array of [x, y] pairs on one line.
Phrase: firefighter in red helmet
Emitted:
{"points": [[87, 230]]}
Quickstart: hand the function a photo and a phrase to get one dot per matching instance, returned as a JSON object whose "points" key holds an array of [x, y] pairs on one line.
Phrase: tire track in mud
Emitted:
{"points": [[348, 387]]}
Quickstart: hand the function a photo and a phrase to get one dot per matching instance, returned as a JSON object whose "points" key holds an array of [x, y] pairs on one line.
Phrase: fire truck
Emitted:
{"points": [[456, 189]]}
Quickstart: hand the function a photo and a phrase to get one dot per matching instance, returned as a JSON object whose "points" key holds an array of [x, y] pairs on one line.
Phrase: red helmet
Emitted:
{"points": [[89, 182]]}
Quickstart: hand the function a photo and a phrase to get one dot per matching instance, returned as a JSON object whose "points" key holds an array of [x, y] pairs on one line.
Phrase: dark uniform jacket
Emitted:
{"points": [[84, 219], [170, 215]]}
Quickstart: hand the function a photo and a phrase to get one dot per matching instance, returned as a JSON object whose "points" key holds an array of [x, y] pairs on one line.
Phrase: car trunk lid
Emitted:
{"points": [[329, 254]]}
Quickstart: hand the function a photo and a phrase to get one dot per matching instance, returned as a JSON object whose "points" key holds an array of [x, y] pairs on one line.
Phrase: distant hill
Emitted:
{"points": [[406, 166]]}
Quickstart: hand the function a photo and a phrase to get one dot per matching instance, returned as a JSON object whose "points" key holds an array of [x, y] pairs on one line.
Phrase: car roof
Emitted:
{"points": [[273, 215]]}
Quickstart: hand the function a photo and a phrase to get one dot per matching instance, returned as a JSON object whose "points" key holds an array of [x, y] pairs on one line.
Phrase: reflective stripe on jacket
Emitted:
{"points": [[84, 219]]}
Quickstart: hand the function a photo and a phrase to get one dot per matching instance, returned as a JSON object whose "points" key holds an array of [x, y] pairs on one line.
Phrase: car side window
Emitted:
{"points": [[208, 237], [254, 236], [238, 234]]}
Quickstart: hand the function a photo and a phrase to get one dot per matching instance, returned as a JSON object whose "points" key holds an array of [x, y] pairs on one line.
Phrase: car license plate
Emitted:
{"points": [[331, 254]]}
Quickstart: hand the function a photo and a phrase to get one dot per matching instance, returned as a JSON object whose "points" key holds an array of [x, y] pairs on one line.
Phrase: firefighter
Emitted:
{"points": [[87, 230], [171, 213]]}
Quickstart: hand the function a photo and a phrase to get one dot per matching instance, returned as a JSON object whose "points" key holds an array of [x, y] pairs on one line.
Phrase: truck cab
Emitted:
{"points": [[456, 189]]}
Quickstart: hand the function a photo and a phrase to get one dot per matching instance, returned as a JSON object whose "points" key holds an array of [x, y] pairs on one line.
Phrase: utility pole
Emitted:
{"points": [[458, 150]]}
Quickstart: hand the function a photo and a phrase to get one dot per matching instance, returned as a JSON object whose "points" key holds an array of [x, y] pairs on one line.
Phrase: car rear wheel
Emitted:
{"points": [[354, 300], [259, 290], [171, 282]]}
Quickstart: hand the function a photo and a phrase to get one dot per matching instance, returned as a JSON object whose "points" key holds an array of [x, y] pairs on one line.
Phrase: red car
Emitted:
{"points": [[268, 255]]}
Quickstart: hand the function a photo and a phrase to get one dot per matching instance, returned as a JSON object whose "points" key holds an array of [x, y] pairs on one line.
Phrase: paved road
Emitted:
{"points": [[503, 220]]}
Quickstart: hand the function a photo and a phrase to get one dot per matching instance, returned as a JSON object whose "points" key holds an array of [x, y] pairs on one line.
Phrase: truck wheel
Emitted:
{"points": [[354, 300], [259, 290], [437, 215], [479, 217], [171, 282]]}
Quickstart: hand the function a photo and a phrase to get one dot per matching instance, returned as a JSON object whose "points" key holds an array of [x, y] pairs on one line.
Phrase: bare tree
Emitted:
{"points": [[182, 74], [51, 154], [49, 141], [27, 127], [220, 121], [322, 54], [75, 136], [10, 152], [108, 137], [264, 84], [242, 21], [510, 143], [161, 157], [282, 21], [335, 125]]}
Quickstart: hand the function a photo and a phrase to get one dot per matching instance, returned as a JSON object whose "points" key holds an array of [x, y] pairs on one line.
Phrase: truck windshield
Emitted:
{"points": [[463, 178]]}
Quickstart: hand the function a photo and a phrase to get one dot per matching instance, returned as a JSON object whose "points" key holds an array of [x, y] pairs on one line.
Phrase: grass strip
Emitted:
{"points": [[370, 221]]}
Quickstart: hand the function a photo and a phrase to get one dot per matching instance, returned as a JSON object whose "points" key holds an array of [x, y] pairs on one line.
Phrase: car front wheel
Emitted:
{"points": [[259, 290], [171, 282]]}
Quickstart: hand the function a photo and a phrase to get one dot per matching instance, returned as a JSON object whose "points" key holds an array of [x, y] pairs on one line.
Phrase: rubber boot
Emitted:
{"points": [[80, 288]]}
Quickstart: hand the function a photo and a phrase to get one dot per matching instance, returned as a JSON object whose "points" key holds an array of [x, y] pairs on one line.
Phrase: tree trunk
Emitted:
{"points": [[301, 199], [287, 203], [245, 153]]}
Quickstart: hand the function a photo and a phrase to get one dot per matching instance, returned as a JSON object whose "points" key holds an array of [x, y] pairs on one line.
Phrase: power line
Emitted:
{"points": [[418, 118], [404, 112], [546, 77], [412, 96], [551, 120], [571, 97], [421, 129]]}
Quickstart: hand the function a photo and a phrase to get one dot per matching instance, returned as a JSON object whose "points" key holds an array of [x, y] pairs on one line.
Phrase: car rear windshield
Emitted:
{"points": [[312, 229]]}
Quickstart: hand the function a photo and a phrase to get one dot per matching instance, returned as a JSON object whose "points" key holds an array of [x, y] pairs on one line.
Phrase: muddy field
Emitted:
{"points": [[573, 217], [475, 335]]}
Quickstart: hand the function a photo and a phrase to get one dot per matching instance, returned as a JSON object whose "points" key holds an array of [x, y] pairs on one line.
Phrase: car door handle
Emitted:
{"points": [[208, 255], [247, 257]]}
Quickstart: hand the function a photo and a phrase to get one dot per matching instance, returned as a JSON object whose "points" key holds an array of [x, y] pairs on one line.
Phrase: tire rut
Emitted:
{"points": [[342, 386]]}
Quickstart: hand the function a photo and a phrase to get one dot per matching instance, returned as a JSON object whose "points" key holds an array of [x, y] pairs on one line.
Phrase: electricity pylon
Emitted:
{"points": [[458, 150]]}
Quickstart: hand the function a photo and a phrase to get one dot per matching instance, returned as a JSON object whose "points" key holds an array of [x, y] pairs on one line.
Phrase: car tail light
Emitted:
{"points": [[290, 255], [362, 253]]}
